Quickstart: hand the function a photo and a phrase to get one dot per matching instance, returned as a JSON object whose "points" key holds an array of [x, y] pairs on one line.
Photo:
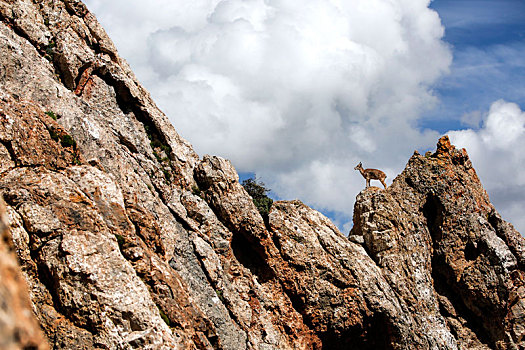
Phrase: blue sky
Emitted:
{"points": [[483, 96], [299, 92], [487, 39]]}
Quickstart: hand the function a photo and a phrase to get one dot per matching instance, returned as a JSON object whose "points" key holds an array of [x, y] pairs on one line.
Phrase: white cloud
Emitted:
{"points": [[296, 91], [471, 119], [497, 153]]}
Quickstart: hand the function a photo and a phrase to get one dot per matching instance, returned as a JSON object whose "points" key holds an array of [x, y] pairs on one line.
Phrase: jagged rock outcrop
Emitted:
{"points": [[19, 328], [446, 251], [128, 240]]}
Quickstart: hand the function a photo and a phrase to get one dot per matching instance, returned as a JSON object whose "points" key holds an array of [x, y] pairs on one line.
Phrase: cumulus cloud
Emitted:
{"points": [[497, 153], [297, 92]]}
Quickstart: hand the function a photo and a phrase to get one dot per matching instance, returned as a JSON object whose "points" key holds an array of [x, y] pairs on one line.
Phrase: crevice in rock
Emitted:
{"points": [[45, 277], [374, 336], [384, 331], [9, 146], [127, 143], [379, 332], [247, 255], [184, 223], [266, 220], [463, 316], [18, 31], [276, 241], [473, 250], [214, 338], [81, 71], [160, 146], [444, 283], [130, 104], [433, 211], [497, 225], [248, 251]]}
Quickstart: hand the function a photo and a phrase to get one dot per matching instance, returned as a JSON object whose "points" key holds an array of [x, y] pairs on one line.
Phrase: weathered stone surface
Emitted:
{"points": [[19, 328], [337, 287], [331, 282], [446, 252], [79, 261], [128, 240], [256, 260]]}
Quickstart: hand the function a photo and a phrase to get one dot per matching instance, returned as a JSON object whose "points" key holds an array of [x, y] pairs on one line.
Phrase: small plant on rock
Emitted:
{"points": [[49, 51], [52, 115], [196, 190], [120, 240], [67, 141], [165, 317], [258, 192]]}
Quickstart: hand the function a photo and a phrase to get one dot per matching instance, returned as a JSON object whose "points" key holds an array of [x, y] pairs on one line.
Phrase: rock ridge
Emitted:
{"points": [[127, 239], [464, 261]]}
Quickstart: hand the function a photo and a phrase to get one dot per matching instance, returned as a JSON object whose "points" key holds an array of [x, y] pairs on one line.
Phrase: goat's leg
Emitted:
{"points": [[367, 183], [383, 182]]}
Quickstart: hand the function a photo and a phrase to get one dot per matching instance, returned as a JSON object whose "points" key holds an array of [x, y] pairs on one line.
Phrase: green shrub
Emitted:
{"points": [[196, 190], [67, 141], [220, 295], [49, 50], [120, 240], [76, 160], [52, 115], [167, 174], [147, 128], [155, 143], [159, 158], [165, 148], [165, 317], [258, 192]]}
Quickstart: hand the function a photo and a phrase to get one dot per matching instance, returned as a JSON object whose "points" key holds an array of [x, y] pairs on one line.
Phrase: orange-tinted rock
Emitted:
{"points": [[128, 240], [446, 251], [19, 328]]}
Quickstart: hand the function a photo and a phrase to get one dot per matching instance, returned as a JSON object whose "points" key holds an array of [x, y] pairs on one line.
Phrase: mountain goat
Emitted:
{"points": [[371, 174]]}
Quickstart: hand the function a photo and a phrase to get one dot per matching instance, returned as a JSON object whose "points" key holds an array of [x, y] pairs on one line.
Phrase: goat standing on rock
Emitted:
{"points": [[371, 174]]}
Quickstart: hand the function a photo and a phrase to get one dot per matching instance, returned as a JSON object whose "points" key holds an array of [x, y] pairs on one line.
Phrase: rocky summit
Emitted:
{"points": [[116, 235]]}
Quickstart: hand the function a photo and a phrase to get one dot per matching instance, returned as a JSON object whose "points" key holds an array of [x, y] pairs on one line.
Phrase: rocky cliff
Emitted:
{"points": [[127, 239]]}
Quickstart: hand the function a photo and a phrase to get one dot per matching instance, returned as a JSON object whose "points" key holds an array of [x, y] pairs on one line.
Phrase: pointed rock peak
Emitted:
{"points": [[444, 147], [446, 150], [128, 240], [438, 210]]}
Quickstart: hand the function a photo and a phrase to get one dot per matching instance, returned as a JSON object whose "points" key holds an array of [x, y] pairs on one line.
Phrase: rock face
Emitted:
{"points": [[18, 327], [443, 247], [128, 240]]}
